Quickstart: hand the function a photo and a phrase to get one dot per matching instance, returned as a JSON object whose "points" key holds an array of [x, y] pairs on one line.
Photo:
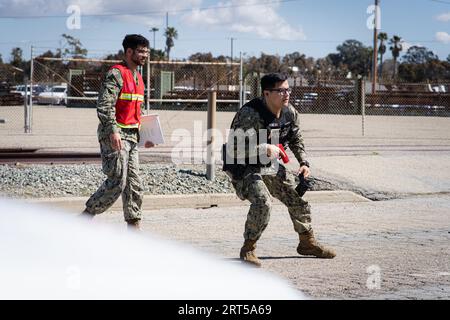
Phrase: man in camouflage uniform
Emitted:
{"points": [[257, 175], [118, 141]]}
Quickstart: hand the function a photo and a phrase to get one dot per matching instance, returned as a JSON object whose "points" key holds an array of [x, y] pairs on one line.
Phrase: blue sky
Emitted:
{"points": [[312, 27]]}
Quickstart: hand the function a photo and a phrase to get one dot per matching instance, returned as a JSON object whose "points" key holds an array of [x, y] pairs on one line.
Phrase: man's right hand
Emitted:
{"points": [[273, 151], [116, 141]]}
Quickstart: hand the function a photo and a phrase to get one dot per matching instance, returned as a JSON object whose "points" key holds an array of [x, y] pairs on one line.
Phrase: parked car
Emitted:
{"points": [[56, 95], [307, 99], [37, 89]]}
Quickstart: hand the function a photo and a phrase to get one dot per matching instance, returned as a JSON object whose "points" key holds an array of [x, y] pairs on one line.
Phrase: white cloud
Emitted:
{"points": [[445, 17], [152, 11], [443, 37], [246, 17], [406, 45]]}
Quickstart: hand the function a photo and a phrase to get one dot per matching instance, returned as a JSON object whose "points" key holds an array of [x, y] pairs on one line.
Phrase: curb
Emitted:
{"points": [[156, 202]]}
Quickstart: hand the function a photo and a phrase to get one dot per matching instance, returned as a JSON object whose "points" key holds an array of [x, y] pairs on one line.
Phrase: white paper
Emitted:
{"points": [[150, 130]]}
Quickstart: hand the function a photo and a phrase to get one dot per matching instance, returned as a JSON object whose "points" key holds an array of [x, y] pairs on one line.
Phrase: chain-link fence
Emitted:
{"points": [[11, 99], [183, 86], [313, 95], [174, 85], [409, 99], [68, 82]]}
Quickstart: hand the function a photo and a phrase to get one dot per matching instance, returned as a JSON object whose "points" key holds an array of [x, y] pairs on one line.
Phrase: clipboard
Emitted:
{"points": [[150, 130]]}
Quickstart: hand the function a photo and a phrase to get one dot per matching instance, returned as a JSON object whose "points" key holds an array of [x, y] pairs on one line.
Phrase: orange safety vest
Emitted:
{"points": [[128, 105]]}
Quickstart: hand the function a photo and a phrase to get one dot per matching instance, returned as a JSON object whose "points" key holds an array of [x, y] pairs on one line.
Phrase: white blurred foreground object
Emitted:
{"points": [[150, 130], [46, 254]]}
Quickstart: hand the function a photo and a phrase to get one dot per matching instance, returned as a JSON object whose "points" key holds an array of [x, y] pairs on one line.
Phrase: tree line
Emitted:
{"points": [[352, 58]]}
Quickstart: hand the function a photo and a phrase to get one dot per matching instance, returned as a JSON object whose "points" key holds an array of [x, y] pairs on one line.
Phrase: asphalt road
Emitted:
{"points": [[395, 249]]}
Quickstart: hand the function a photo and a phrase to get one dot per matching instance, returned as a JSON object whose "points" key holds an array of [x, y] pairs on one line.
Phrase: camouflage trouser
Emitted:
{"points": [[258, 189], [122, 171]]}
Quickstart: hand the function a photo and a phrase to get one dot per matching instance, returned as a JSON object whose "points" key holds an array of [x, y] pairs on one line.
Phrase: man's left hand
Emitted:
{"points": [[304, 170]]}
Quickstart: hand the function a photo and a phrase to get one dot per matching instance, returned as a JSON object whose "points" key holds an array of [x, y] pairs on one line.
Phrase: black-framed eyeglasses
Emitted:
{"points": [[281, 91], [143, 51]]}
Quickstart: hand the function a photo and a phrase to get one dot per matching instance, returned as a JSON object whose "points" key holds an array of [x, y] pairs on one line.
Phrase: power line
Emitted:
{"points": [[155, 12], [201, 39]]}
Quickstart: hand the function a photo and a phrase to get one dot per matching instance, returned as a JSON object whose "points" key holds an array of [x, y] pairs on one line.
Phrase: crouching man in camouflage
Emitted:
{"points": [[251, 153], [119, 112]]}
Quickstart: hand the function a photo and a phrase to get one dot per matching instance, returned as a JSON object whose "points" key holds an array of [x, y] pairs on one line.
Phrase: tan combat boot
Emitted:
{"points": [[134, 225], [309, 246], [248, 255]]}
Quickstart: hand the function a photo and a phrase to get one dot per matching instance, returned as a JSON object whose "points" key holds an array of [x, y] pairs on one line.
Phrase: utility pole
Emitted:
{"points": [[149, 68], [167, 27], [231, 57], [231, 62], [154, 37], [375, 50]]}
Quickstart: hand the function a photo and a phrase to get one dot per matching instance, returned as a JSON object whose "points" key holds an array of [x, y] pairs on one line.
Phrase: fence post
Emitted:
{"points": [[210, 159], [362, 88], [27, 115], [147, 103], [241, 84], [31, 89]]}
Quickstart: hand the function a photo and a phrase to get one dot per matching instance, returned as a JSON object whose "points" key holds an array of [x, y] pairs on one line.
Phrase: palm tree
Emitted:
{"points": [[382, 49], [170, 34], [396, 48], [157, 54]]}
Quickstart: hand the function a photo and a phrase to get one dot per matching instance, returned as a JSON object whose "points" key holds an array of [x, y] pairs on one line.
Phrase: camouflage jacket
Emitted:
{"points": [[256, 123], [106, 107]]}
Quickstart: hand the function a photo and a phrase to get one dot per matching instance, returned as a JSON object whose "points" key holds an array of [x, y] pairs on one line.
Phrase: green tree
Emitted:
{"points": [[419, 55], [264, 64], [448, 58], [115, 56], [327, 68], [201, 57], [434, 70], [252, 65], [420, 64], [383, 37], [72, 47], [157, 54], [437, 70], [16, 58], [1, 59], [336, 61], [21, 66], [212, 75], [49, 71], [294, 59], [270, 63], [396, 47], [355, 56], [171, 33]]}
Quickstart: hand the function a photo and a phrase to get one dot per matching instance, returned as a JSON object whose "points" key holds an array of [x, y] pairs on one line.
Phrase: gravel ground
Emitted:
{"points": [[37, 181], [396, 249]]}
